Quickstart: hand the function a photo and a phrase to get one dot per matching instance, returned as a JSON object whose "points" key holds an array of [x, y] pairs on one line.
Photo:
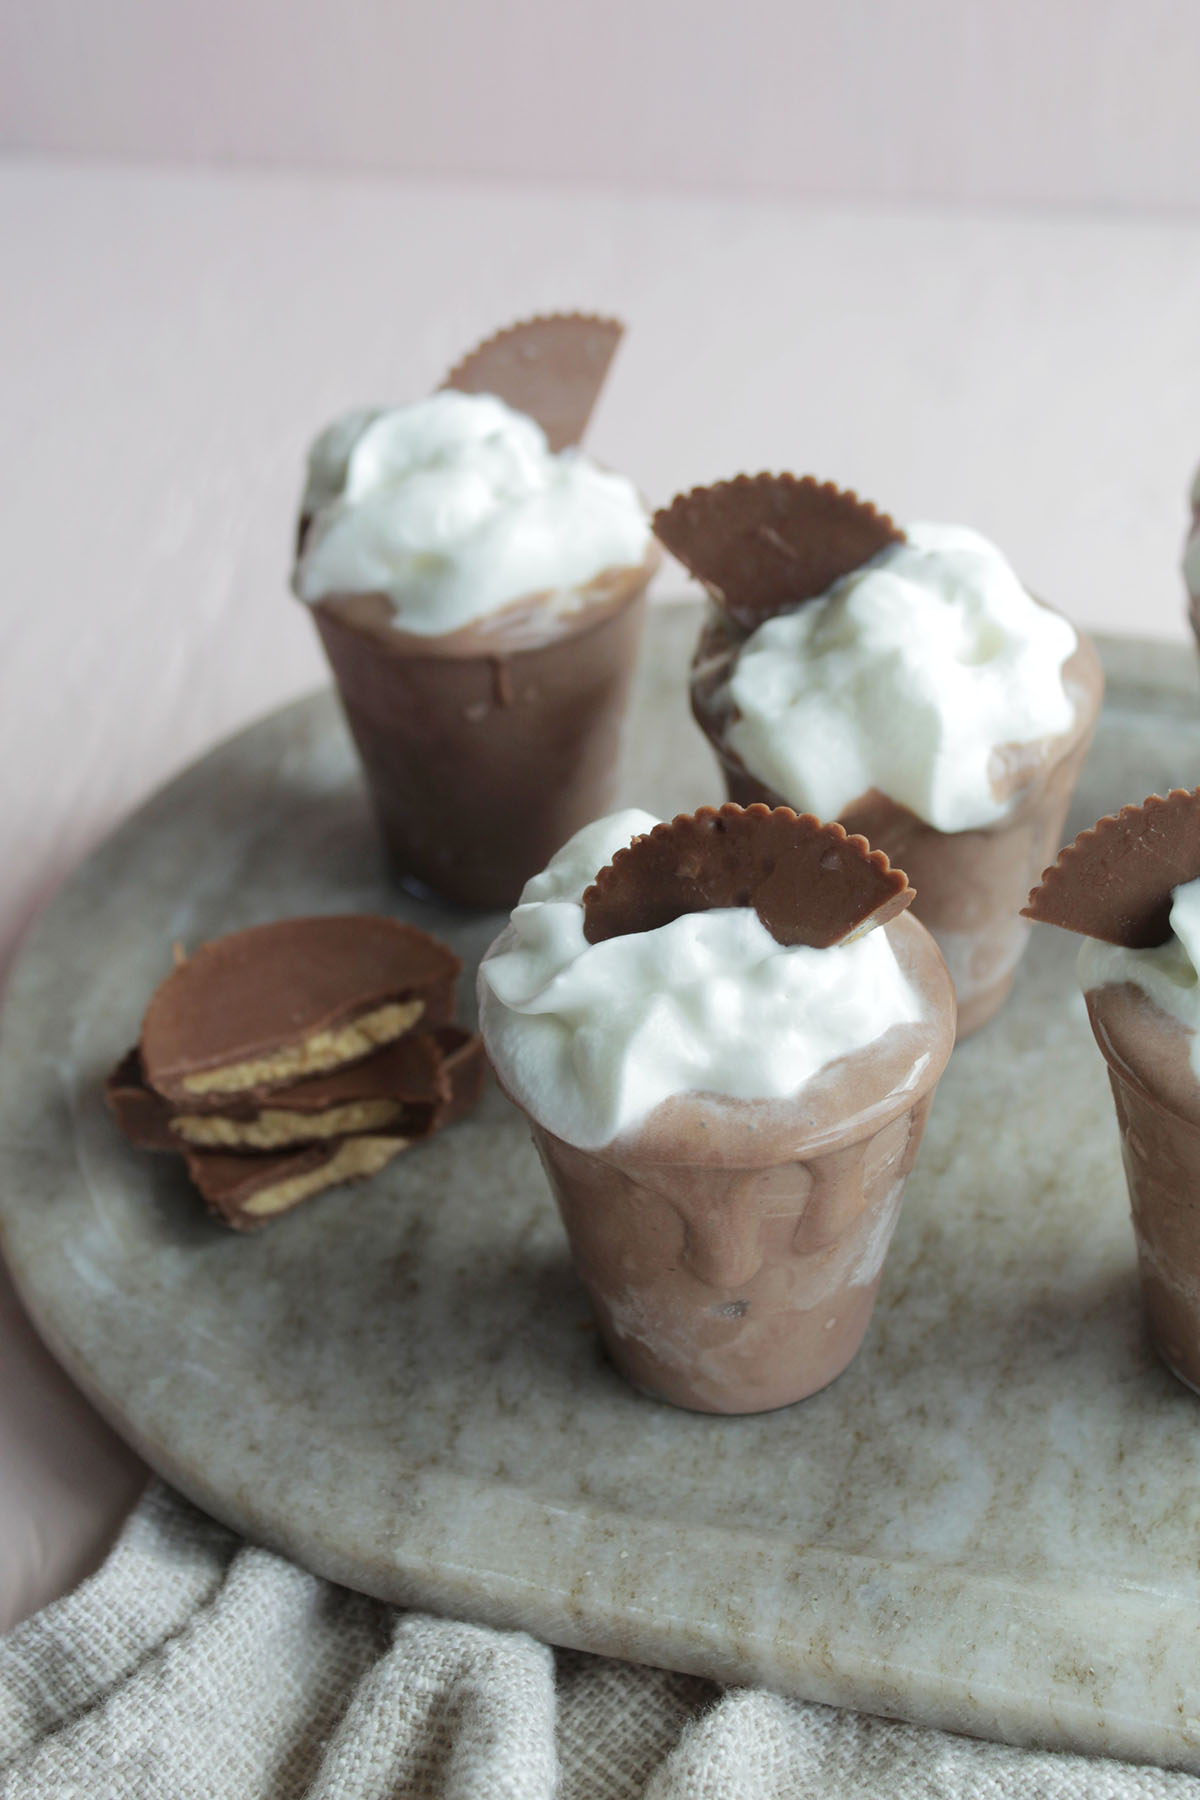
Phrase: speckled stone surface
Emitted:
{"points": [[990, 1522]]}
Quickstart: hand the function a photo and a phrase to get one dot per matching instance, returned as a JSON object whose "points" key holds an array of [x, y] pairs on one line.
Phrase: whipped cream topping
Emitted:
{"points": [[907, 676], [1169, 974], [454, 508], [590, 1038], [1191, 554]]}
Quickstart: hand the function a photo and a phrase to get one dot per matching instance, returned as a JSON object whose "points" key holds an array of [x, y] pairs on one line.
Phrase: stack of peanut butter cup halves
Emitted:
{"points": [[291, 1057]]}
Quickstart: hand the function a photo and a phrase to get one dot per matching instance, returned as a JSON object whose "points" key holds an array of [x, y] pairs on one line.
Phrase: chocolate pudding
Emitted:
{"points": [[1157, 1098], [484, 750], [733, 1249]]}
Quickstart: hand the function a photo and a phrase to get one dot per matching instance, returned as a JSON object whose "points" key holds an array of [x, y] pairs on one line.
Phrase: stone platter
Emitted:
{"points": [[991, 1522]]}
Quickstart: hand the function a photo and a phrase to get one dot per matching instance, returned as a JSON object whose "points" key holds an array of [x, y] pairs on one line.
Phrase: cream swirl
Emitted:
{"points": [[454, 508], [590, 1038], [908, 676]]}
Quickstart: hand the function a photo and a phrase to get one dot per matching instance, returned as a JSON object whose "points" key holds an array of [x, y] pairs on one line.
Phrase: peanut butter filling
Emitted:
{"points": [[276, 1128], [357, 1158], [313, 1055]]}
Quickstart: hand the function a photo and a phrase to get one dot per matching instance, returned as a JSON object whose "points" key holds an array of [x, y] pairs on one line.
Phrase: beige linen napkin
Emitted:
{"points": [[193, 1666]]}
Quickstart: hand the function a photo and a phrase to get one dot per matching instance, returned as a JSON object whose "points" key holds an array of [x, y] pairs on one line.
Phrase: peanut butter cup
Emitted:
{"points": [[277, 1003], [763, 544], [143, 1117], [809, 883], [551, 368], [292, 1057], [1115, 881], [246, 1192], [413, 1087]]}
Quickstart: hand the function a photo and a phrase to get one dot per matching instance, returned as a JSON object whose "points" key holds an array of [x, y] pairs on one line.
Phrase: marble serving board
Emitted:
{"points": [[991, 1522]]}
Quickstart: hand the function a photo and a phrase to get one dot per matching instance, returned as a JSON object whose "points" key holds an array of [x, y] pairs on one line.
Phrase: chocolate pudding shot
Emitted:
{"points": [[477, 583], [1131, 886], [902, 682], [726, 1033]]}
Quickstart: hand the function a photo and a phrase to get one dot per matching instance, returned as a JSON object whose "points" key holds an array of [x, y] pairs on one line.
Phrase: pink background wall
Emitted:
{"points": [[1075, 102]]}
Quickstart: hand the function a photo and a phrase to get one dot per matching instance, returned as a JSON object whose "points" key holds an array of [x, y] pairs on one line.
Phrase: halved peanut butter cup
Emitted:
{"points": [[1115, 881], [809, 883], [411, 1088], [551, 368], [246, 1192], [279, 1003], [764, 544]]}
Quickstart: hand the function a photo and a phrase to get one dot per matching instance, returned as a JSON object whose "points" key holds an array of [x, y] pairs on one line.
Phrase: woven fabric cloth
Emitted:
{"points": [[194, 1666]]}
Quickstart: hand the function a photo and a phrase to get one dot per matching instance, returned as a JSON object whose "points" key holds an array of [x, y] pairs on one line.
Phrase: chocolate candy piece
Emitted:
{"points": [[809, 883], [397, 1088], [763, 544], [275, 1004], [412, 1088], [246, 1192], [551, 368], [1114, 882], [142, 1116]]}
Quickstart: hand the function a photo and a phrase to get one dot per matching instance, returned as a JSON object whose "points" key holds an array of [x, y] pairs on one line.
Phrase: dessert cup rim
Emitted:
{"points": [[1120, 1066], [629, 580]]}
